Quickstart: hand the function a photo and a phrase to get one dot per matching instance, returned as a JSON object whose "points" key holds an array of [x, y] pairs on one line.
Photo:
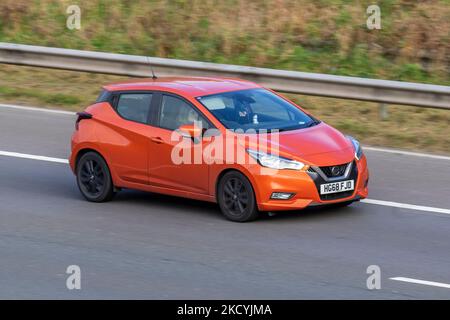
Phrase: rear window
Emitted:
{"points": [[134, 106], [104, 96]]}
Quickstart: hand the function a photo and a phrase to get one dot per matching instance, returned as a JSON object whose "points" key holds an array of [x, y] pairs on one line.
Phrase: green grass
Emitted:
{"points": [[326, 36], [55, 99]]}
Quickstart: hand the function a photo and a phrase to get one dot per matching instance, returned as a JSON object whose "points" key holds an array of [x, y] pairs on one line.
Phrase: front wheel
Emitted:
{"points": [[236, 197], [94, 178]]}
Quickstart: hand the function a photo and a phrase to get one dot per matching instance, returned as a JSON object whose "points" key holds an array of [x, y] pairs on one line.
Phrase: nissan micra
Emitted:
{"points": [[228, 141]]}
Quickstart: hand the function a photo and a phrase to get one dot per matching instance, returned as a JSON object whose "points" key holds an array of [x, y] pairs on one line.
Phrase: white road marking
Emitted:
{"points": [[32, 157], [424, 282], [11, 106], [407, 153], [405, 206]]}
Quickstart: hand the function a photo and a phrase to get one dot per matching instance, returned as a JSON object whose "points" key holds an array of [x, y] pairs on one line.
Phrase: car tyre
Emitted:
{"points": [[94, 178], [236, 197]]}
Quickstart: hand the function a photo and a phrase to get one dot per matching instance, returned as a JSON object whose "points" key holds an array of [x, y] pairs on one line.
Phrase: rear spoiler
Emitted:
{"points": [[82, 116]]}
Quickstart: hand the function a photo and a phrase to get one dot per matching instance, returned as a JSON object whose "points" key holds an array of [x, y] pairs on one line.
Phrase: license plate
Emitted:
{"points": [[336, 187]]}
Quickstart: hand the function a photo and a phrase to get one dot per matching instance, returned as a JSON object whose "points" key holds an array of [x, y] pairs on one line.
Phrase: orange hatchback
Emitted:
{"points": [[221, 140]]}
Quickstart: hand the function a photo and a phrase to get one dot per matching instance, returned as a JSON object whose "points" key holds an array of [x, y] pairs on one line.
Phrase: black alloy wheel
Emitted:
{"points": [[94, 178], [236, 197]]}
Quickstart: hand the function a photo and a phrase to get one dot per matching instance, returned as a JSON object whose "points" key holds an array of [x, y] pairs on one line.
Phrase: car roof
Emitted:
{"points": [[187, 86]]}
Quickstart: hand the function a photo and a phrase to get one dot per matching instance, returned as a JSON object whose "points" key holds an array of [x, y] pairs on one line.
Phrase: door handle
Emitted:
{"points": [[158, 140]]}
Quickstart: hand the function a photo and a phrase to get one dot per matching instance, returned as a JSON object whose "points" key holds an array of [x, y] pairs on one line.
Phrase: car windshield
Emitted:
{"points": [[256, 109]]}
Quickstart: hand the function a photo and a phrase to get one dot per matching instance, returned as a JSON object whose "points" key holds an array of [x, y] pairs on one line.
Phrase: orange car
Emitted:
{"points": [[220, 140]]}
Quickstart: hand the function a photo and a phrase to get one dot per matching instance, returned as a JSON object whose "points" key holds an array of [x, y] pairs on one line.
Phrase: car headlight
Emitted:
{"points": [[357, 147], [275, 162]]}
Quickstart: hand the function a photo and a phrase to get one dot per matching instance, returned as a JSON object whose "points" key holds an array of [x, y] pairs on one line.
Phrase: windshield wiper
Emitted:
{"points": [[288, 128], [297, 126], [312, 123]]}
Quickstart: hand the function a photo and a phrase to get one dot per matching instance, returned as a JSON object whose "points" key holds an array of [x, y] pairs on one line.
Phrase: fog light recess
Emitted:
{"points": [[281, 195]]}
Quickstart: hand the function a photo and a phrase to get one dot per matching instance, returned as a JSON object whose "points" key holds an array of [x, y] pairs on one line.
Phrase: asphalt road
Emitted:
{"points": [[149, 246]]}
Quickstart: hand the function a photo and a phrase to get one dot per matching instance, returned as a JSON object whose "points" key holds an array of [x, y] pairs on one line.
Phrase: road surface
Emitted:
{"points": [[149, 246]]}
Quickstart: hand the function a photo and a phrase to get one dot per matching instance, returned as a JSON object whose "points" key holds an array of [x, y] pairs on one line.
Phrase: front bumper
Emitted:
{"points": [[306, 187]]}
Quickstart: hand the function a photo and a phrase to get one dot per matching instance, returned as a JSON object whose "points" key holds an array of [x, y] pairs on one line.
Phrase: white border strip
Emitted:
{"points": [[405, 206], [407, 153], [11, 106], [32, 157], [424, 282]]}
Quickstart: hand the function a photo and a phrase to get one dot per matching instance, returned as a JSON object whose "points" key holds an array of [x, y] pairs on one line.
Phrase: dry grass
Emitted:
{"points": [[50, 88], [407, 127], [326, 36]]}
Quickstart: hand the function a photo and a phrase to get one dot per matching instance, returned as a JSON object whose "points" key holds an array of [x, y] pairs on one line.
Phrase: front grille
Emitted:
{"points": [[318, 180], [334, 171]]}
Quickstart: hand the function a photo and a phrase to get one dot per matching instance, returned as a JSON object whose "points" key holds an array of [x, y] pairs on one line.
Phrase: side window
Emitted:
{"points": [[134, 106], [176, 112]]}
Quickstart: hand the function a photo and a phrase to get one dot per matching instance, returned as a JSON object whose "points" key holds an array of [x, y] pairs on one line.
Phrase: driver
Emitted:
{"points": [[244, 112]]}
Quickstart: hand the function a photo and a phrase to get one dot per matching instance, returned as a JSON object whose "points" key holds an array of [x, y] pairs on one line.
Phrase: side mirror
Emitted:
{"points": [[190, 131]]}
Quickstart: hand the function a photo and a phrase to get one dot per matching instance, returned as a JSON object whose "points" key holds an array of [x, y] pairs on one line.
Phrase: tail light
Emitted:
{"points": [[82, 116]]}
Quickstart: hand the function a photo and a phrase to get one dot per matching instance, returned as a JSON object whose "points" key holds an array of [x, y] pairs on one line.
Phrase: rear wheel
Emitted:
{"points": [[236, 197], [94, 178]]}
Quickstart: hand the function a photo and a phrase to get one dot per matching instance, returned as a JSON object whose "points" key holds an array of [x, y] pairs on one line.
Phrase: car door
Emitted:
{"points": [[128, 141], [165, 169]]}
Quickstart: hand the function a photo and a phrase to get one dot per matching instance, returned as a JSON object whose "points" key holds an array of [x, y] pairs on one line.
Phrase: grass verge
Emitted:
{"points": [[413, 128]]}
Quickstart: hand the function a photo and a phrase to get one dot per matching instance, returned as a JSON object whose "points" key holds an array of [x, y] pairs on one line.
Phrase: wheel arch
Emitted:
{"points": [[85, 150], [244, 173]]}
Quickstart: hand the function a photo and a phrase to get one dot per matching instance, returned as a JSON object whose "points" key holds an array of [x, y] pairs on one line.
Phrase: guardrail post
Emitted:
{"points": [[382, 111]]}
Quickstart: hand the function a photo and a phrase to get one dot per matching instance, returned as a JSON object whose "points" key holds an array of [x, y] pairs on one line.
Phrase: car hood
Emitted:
{"points": [[320, 145]]}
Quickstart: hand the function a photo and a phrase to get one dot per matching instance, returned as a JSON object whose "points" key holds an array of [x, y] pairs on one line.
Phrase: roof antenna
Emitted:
{"points": [[154, 77]]}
